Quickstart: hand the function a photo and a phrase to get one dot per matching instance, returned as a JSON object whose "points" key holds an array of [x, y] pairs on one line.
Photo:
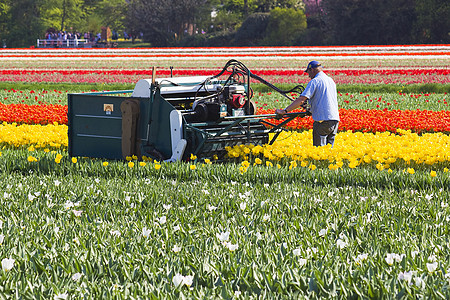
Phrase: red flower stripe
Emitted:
{"points": [[199, 72], [381, 120], [206, 55], [351, 119], [33, 114]]}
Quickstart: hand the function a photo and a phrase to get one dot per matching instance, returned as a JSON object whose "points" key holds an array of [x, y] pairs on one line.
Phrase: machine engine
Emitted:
{"points": [[229, 101]]}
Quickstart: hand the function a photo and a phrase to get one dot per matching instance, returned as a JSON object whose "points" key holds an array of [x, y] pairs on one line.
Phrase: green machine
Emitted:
{"points": [[169, 119]]}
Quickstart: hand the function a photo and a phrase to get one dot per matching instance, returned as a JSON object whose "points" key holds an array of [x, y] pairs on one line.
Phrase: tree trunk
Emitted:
{"points": [[63, 15]]}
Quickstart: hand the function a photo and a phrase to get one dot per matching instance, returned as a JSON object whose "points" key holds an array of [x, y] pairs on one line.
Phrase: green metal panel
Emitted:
{"points": [[95, 125], [160, 134]]}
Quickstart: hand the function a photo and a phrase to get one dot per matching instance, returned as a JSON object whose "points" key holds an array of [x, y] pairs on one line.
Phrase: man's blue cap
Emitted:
{"points": [[313, 64]]}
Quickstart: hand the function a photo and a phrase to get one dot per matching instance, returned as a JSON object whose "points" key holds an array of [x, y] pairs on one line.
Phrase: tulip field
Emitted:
{"points": [[367, 218]]}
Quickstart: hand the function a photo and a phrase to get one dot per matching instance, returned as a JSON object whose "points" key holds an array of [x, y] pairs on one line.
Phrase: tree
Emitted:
{"points": [[269, 5], [397, 22], [241, 7], [369, 21], [285, 26], [24, 23], [245, 7], [5, 20], [226, 21], [66, 15], [232, 13], [433, 22], [112, 13], [253, 30], [165, 21]]}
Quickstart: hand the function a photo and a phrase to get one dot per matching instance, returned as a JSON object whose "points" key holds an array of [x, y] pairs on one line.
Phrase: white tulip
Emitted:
{"points": [[7, 264]]}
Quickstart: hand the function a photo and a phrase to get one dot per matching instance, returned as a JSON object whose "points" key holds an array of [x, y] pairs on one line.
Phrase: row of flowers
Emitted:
{"points": [[33, 114], [228, 54], [207, 72], [370, 120], [385, 150], [52, 136], [299, 77]]}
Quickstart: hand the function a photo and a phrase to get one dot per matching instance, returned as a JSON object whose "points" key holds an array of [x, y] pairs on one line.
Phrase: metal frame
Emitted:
{"points": [[236, 120]]}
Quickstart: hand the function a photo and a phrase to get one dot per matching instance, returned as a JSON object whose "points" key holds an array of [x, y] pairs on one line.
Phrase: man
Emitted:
{"points": [[322, 96]]}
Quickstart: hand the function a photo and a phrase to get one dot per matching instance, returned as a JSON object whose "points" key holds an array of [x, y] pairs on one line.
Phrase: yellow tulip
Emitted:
{"points": [[32, 159]]}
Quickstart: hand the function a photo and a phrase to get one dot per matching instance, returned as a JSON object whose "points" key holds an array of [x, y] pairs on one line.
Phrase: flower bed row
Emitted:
{"points": [[33, 114], [207, 72], [386, 150], [37, 136], [440, 76], [228, 54], [370, 120]]}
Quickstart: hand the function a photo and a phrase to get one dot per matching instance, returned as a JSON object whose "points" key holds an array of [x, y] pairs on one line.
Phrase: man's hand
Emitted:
{"points": [[280, 112]]}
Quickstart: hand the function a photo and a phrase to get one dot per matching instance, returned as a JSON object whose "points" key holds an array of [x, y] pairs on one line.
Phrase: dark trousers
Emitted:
{"points": [[324, 132]]}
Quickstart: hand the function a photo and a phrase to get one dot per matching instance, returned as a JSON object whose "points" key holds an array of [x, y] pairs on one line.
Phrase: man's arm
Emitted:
{"points": [[297, 103]]}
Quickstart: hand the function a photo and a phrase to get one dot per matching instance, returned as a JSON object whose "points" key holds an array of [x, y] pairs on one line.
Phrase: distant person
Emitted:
{"points": [[59, 39], [322, 96]]}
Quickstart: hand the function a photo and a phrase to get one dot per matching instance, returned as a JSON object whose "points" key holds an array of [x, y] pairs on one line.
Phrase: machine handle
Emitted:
{"points": [[270, 116]]}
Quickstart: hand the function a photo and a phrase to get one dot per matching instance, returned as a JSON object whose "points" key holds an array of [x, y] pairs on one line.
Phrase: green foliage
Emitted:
{"points": [[351, 22], [387, 21], [5, 18], [269, 5], [113, 13], [165, 23], [168, 22], [24, 23], [285, 26], [253, 6], [69, 15], [226, 21], [253, 30], [240, 7], [311, 36], [214, 39], [432, 21], [93, 231], [282, 26]]}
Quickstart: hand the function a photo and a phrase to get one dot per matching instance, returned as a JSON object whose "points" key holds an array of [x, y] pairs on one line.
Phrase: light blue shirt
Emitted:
{"points": [[322, 96]]}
